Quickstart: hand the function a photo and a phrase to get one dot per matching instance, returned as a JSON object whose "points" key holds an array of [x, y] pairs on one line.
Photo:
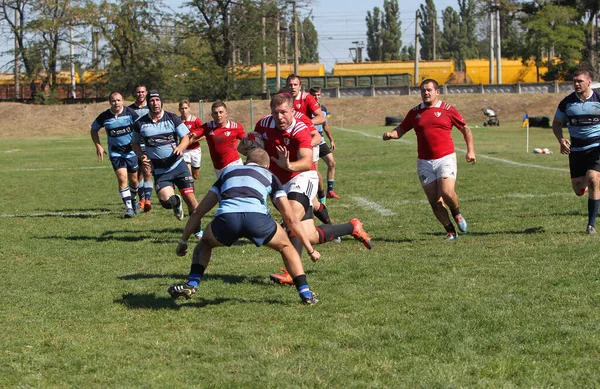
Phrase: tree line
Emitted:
{"points": [[558, 34], [203, 50]]}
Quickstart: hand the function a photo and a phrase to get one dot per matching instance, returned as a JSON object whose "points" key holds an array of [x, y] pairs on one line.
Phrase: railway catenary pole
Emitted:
{"points": [[416, 75]]}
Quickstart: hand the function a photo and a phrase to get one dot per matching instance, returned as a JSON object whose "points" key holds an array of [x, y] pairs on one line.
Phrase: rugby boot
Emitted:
{"points": [[283, 278], [360, 234], [332, 195], [182, 290], [461, 223]]}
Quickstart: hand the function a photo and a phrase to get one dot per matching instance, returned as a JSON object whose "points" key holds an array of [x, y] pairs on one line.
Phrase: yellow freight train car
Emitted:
{"points": [[440, 70], [305, 70], [513, 71]]}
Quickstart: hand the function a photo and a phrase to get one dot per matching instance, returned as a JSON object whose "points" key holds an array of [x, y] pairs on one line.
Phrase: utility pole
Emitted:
{"points": [[72, 57], [492, 23], [498, 47], [263, 65], [417, 20], [278, 56], [434, 26], [17, 86], [296, 53]]}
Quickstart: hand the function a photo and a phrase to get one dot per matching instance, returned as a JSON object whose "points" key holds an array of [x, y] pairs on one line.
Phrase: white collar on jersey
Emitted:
{"points": [[291, 127], [437, 105], [162, 113]]}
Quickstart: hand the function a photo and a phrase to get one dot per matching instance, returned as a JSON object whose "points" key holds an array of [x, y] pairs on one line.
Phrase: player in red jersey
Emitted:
{"points": [[222, 137], [288, 142], [432, 121], [193, 154], [304, 102]]}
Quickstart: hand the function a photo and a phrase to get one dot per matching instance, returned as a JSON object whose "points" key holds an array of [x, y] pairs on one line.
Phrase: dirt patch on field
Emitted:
{"points": [[25, 120]]}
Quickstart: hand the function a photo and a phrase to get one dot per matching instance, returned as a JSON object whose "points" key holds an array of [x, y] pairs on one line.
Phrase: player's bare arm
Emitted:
{"points": [[183, 144], [319, 117], [557, 129], [316, 138], [207, 203], [468, 136], [396, 133], [99, 149], [327, 132], [283, 205]]}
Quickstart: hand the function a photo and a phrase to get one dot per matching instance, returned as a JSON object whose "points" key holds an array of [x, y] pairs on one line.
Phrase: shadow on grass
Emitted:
{"points": [[526, 231], [154, 236], [225, 278], [67, 214], [151, 301]]}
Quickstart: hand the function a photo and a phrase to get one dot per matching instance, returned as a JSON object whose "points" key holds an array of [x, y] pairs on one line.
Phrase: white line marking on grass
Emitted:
{"points": [[11, 151], [60, 214], [464, 151], [54, 169], [365, 203], [492, 199]]}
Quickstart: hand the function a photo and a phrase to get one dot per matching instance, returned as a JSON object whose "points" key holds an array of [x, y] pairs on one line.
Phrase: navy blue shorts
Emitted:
{"points": [[130, 163], [258, 227], [582, 161], [324, 150], [180, 176]]}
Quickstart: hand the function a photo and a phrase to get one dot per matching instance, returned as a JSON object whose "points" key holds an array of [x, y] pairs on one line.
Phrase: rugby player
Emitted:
{"points": [[288, 143], [433, 121], [145, 172], [241, 192], [165, 137], [118, 122], [580, 112]]}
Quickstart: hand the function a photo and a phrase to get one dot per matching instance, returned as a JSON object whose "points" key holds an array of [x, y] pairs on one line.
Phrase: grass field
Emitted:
{"points": [[513, 303]]}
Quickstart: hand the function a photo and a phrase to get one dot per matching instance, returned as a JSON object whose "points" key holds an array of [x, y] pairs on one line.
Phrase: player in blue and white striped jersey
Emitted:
{"points": [[140, 106], [165, 137], [242, 192], [580, 111], [118, 122]]}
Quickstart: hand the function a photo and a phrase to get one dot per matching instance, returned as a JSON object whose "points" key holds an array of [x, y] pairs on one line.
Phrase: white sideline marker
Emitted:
{"points": [[366, 203], [53, 169], [464, 151]]}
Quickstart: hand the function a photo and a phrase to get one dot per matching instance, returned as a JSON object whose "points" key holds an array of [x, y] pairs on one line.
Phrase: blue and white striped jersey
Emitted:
{"points": [[160, 139], [582, 119], [245, 188], [118, 129]]}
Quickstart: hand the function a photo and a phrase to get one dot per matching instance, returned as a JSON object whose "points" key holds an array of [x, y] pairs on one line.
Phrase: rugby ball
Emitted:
{"points": [[254, 140]]}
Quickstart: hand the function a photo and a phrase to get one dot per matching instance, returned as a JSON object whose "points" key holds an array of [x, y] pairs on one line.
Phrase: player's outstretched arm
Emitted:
{"points": [[283, 205]]}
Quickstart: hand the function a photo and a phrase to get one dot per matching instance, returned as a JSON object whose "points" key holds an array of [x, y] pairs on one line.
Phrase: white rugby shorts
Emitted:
{"points": [[193, 157], [316, 150], [430, 170], [306, 183]]}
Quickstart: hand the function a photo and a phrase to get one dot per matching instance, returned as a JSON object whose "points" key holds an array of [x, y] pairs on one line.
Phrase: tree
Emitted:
{"points": [[384, 32], [391, 31], [374, 35], [430, 31], [42, 26], [558, 30], [127, 26], [451, 47], [309, 49]]}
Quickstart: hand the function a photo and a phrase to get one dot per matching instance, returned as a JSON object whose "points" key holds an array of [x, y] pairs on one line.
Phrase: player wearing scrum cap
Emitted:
{"points": [[165, 137]]}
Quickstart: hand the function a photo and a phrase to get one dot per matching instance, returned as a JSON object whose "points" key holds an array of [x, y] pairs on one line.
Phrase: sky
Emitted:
{"points": [[339, 23]]}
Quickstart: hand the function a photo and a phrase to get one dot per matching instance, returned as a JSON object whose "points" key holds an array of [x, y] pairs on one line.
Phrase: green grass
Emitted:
{"points": [[513, 303]]}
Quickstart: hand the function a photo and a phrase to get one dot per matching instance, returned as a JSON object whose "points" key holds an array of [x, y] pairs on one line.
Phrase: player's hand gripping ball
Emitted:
{"points": [[254, 140]]}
